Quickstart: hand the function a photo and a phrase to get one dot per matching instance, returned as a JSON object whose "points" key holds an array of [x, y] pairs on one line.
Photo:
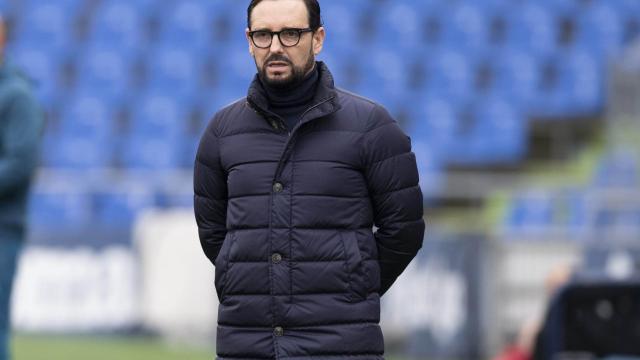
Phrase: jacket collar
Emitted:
{"points": [[324, 101]]}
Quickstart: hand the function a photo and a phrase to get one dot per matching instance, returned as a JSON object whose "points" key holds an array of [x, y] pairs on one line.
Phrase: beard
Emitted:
{"points": [[298, 73]]}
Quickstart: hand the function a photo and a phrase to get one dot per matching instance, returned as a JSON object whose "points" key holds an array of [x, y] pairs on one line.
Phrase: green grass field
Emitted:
{"points": [[28, 347], [31, 347]]}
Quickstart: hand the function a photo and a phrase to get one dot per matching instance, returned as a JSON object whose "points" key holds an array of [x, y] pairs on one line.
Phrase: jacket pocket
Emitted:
{"points": [[357, 279], [222, 265]]}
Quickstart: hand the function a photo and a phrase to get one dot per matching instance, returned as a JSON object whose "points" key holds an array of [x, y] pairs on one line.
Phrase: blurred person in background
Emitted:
{"points": [[288, 184], [20, 129], [528, 340]]}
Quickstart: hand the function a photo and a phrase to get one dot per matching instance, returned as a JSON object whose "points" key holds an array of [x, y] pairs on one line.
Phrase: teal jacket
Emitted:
{"points": [[21, 124]]}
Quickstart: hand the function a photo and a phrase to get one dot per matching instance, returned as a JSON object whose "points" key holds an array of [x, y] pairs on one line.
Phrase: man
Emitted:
{"points": [[20, 129], [289, 182]]}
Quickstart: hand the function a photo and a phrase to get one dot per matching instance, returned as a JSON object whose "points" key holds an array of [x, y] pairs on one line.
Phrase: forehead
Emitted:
{"points": [[278, 14]]}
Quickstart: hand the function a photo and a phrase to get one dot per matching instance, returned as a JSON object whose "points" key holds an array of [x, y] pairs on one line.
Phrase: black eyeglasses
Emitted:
{"points": [[288, 37]]}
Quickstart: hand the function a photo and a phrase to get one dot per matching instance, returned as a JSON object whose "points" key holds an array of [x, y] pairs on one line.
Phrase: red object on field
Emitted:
{"points": [[513, 353]]}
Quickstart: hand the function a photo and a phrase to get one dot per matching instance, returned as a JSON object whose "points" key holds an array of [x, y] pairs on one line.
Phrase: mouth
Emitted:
{"points": [[277, 65]]}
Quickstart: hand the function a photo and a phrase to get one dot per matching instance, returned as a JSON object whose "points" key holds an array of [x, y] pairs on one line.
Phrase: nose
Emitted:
{"points": [[276, 46]]}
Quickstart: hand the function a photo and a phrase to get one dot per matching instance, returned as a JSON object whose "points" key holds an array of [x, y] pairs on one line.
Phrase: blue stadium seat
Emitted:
{"points": [[451, 73], [175, 70], [188, 23], [120, 208], [581, 83], [434, 122], [467, 26], [601, 30], [384, 75], [531, 27], [623, 223], [47, 24], [618, 169], [399, 26], [236, 71], [8, 8], [517, 77], [563, 7], [43, 67], [105, 71], [345, 66], [138, 151], [530, 211], [209, 103], [343, 21], [501, 133], [176, 199], [121, 24], [159, 114], [76, 151], [575, 211], [88, 115], [62, 209]]}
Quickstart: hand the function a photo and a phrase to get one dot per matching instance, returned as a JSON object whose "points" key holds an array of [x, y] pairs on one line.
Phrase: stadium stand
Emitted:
{"points": [[159, 64], [130, 85]]}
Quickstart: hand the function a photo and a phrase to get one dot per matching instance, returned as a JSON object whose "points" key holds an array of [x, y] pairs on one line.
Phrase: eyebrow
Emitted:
{"points": [[284, 28]]}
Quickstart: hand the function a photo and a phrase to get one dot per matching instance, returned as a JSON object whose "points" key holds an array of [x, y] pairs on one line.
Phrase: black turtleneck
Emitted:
{"points": [[291, 102]]}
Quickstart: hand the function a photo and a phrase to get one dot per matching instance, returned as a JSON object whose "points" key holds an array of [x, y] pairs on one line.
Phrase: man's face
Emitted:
{"points": [[278, 65]]}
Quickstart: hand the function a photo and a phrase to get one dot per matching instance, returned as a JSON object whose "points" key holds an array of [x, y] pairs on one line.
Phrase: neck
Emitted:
{"points": [[297, 93]]}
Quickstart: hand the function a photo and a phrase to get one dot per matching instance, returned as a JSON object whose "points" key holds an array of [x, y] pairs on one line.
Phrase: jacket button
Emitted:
{"points": [[277, 187], [278, 331], [276, 258]]}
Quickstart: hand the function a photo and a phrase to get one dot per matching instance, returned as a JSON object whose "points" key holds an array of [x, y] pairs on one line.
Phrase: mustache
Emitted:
{"points": [[277, 57]]}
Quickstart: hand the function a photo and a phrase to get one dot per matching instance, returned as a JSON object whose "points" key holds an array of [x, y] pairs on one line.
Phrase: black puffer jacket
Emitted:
{"points": [[286, 218]]}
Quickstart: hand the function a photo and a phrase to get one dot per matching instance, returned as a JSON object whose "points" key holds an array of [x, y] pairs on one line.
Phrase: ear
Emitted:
{"points": [[246, 34], [318, 40]]}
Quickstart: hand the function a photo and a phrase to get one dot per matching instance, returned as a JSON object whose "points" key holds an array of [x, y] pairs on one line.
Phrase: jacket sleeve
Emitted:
{"points": [[392, 179], [19, 145], [210, 194]]}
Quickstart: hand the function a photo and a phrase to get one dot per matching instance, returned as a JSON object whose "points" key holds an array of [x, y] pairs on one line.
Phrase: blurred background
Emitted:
{"points": [[524, 116]]}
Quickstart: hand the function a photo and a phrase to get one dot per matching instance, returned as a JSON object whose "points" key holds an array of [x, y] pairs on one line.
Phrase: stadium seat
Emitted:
{"points": [[581, 82], [120, 208], [88, 115], [451, 73], [516, 75], [175, 70], [618, 169], [47, 25], [434, 122], [188, 23], [43, 67], [159, 114], [138, 151], [467, 26], [105, 71], [600, 30], [60, 209], [532, 28], [76, 151], [344, 22], [384, 76], [399, 26], [236, 70], [530, 211], [120, 24], [500, 135]]}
